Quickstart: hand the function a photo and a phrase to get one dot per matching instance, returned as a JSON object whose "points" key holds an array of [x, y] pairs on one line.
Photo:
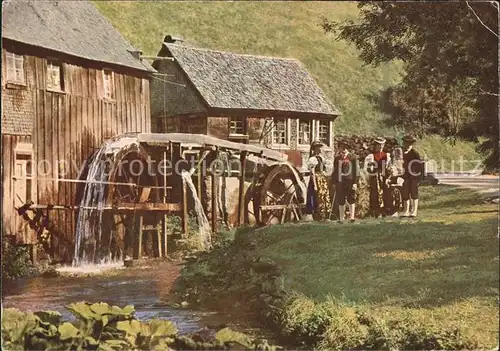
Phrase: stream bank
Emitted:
{"points": [[146, 286]]}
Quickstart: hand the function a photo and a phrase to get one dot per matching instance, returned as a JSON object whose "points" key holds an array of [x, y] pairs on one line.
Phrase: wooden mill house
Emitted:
{"points": [[245, 98], [69, 82]]}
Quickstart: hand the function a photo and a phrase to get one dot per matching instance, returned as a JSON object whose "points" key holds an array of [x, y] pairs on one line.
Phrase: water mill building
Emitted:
{"points": [[252, 99]]}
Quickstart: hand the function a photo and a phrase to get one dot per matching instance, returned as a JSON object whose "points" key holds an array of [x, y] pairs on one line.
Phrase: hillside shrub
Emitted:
{"points": [[16, 262], [100, 326]]}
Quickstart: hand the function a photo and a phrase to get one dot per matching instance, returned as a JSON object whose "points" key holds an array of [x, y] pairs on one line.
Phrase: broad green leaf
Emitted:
{"points": [[105, 320], [145, 329], [81, 310], [132, 327], [91, 341], [116, 311], [67, 331], [100, 308], [129, 309], [52, 317], [104, 346]]}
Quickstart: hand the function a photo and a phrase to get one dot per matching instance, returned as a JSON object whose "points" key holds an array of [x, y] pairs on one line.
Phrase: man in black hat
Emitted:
{"points": [[413, 172], [345, 176], [377, 164]]}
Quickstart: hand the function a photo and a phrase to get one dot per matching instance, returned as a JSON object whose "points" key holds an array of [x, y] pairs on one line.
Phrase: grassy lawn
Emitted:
{"points": [[274, 29], [444, 264]]}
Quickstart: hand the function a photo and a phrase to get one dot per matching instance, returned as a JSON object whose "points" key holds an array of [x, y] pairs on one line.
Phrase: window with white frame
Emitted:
{"points": [[15, 67], [237, 126], [54, 76], [323, 131], [304, 132], [280, 131], [108, 85]]}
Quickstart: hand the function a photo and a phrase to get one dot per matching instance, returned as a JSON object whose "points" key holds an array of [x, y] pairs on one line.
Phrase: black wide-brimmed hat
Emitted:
{"points": [[379, 140], [317, 143], [409, 138]]}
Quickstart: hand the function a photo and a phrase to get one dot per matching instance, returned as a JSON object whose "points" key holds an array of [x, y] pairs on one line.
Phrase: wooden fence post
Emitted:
{"points": [[241, 188]]}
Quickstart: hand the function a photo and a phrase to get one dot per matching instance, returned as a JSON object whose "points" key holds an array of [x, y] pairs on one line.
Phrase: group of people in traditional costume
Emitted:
{"points": [[382, 175]]}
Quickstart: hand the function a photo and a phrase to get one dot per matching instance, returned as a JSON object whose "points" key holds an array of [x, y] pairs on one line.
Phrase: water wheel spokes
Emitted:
{"points": [[126, 188]]}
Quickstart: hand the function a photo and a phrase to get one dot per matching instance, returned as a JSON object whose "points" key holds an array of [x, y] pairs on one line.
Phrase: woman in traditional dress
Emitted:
{"points": [[318, 196]]}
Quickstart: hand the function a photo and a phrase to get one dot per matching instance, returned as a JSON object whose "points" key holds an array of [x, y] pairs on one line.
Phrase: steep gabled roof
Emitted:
{"points": [[72, 27], [227, 80]]}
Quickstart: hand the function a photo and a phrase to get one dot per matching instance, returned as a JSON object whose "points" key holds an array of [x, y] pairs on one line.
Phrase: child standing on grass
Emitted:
{"points": [[413, 172], [318, 197], [345, 176]]}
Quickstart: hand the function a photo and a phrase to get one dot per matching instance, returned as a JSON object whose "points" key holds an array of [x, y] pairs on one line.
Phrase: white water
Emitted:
{"points": [[204, 226], [89, 221]]}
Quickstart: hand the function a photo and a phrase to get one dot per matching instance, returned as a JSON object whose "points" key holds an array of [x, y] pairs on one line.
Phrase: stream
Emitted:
{"points": [[147, 288]]}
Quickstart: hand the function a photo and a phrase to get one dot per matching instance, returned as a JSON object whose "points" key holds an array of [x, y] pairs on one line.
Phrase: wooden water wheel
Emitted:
{"points": [[278, 197], [131, 185]]}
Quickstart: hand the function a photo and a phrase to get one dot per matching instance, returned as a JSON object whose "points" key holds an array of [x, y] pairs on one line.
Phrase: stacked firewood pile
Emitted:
{"points": [[362, 145]]}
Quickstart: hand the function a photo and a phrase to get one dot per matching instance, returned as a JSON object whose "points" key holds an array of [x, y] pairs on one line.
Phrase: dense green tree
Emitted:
{"points": [[450, 51]]}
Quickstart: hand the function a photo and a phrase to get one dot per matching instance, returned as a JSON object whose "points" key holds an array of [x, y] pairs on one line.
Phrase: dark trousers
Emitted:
{"points": [[344, 191], [375, 183], [410, 188]]}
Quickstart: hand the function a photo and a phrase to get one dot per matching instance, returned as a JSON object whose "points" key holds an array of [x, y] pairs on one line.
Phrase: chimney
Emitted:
{"points": [[171, 39], [136, 53]]}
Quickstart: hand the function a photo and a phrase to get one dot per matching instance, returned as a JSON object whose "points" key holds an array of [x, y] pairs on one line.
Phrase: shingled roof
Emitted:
{"points": [[72, 27], [227, 80]]}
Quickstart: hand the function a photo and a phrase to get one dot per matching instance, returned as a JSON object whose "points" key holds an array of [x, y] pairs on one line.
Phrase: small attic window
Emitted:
{"points": [[108, 85], [15, 68]]}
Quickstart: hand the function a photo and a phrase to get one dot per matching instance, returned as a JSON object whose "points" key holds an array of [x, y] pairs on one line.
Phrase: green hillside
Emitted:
{"points": [[271, 28]]}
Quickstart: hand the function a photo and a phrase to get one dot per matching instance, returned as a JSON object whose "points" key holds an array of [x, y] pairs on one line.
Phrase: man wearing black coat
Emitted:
{"points": [[345, 176]]}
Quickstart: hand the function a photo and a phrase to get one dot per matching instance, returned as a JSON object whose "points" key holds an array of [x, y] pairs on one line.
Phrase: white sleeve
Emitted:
{"points": [[389, 161], [312, 162]]}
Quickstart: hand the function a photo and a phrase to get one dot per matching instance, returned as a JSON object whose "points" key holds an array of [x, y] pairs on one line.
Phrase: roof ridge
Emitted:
{"points": [[233, 53]]}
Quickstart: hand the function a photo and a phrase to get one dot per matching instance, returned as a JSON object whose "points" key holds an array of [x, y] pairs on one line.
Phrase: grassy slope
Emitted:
{"points": [[279, 29], [446, 262]]}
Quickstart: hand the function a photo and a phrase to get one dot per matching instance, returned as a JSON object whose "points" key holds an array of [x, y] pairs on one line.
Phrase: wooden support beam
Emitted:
{"points": [[241, 188], [62, 180], [281, 207], [145, 194], [158, 236], [124, 206], [165, 219], [199, 177], [214, 201]]}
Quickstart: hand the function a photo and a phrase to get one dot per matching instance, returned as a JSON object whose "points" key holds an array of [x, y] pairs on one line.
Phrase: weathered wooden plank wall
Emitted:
{"points": [[68, 127]]}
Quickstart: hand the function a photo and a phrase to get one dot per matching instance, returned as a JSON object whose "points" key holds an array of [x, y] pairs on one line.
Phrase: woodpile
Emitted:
{"points": [[362, 145]]}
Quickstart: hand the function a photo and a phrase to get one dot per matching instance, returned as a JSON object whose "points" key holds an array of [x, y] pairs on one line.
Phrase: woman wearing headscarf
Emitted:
{"points": [[318, 196], [378, 164], [345, 176]]}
